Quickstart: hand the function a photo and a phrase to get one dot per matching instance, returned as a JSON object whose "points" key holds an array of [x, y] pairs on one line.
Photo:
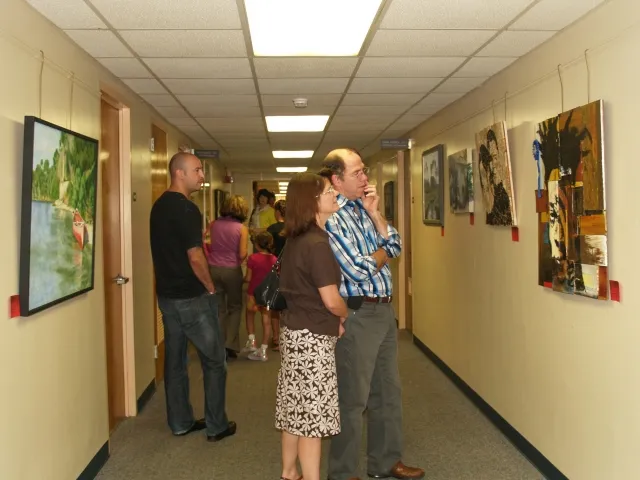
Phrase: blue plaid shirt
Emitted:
{"points": [[354, 238]]}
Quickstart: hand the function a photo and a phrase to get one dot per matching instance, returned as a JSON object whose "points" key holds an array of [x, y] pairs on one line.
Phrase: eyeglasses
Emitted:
{"points": [[329, 190], [362, 171]]}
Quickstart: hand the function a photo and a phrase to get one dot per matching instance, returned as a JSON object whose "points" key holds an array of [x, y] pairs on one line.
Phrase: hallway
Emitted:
{"points": [[444, 432]]}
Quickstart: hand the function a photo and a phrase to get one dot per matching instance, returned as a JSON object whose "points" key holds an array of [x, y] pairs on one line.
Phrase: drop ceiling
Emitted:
{"points": [[192, 60]]}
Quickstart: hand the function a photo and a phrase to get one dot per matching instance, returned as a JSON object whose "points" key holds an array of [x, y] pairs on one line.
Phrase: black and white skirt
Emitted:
{"points": [[307, 395]]}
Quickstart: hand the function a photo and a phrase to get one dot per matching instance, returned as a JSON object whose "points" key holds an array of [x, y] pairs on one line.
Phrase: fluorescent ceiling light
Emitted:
{"points": [[292, 153], [282, 28], [291, 169], [283, 184], [296, 123]]}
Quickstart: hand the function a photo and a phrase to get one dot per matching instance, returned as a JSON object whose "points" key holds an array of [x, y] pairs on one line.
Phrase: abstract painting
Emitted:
{"points": [[60, 172], [389, 203], [461, 182], [496, 179], [570, 201], [433, 186]]}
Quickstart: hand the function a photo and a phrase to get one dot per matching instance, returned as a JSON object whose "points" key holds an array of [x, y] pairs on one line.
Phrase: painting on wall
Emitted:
{"points": [[570, 201], [461, 182], [59, 185], [496, 178], [389, 204], [433, 186]]}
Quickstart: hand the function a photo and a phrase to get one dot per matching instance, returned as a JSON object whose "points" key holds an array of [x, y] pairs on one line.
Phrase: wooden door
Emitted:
{"points": [[159, 177], [406, 239], [111, 236]]}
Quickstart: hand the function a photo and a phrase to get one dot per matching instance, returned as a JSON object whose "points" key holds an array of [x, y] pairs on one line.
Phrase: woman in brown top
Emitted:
{"points": [[307, 397]]}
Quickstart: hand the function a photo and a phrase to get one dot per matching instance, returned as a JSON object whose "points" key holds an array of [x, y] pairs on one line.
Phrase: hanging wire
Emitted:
{"points": [[71, 101], [586, 61], [40, 84], [561, 90]]}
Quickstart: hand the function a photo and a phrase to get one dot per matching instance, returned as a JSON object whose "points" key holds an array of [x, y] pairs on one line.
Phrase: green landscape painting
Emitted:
{"points": [[58, 260]]}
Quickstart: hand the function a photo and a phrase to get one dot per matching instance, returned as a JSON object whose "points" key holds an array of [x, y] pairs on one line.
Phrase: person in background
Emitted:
{"points": [[258, 267], [277, 232], [263, 215], [187, 300], [307, 393], [367, 355], [227, 251], [272, 199]]}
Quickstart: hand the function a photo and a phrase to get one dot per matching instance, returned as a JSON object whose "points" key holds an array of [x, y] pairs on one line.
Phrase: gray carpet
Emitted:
{"points": [[444, 432]]}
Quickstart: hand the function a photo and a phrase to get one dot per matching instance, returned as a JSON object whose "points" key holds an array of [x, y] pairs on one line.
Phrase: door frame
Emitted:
{"points": [[126, 255], [404, 230]]}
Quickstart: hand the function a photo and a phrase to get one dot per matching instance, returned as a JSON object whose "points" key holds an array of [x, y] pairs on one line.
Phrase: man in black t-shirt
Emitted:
{"points": [[187, 300]]}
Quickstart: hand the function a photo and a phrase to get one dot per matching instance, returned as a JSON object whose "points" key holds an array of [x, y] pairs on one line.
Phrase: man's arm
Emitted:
{"points": [[200, 267]]}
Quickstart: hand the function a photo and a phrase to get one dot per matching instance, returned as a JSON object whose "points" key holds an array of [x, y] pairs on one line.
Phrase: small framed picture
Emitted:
{"points": [[433, 186]]}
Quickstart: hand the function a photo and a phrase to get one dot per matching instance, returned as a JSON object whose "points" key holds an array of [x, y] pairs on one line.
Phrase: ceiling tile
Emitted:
{"points": [[196, 131], [348, 138], [554, 14], [295, 141], [173, 112], [346, 110], [484, 66], [242, 141], [460, 85], [392, 133], [425, 43], [142, 86], [200, 68], [210, 86], [514, 44], [186, 43], [240, 125], [99, 43], [182, 122], [296, 86], [328, 100], [447, 14], [170, 14], [381, 99], [126, 67], [361, 122], [219, 100], [258, 154], [408, 122], [210, 111], [68, 14], [160, 100], [304, 67], [291, 110], [393, 85], [435, 102], [408, 66]]}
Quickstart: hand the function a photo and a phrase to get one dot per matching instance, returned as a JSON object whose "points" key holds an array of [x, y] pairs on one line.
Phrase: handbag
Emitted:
{"points": [[267, 293]]}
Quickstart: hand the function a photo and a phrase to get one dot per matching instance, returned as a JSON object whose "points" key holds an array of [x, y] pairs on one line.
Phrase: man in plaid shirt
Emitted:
{"points": [[366, 355]]}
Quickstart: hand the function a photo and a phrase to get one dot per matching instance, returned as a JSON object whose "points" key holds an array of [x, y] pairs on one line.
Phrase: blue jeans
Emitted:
{"points": [[195, 319]]}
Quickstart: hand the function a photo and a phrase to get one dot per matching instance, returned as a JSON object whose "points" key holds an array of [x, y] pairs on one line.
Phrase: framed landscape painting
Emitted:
{"points": [[433, 186], [59, 186]]}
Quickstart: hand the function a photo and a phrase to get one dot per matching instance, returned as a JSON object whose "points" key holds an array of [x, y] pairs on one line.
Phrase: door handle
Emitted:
{"points": [[120, 280]]}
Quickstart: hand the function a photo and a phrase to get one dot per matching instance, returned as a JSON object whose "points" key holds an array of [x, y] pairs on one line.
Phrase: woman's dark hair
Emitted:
{"points": [[264, 240], [302, 203], [281, 206], [263, 192], [235, 207]]}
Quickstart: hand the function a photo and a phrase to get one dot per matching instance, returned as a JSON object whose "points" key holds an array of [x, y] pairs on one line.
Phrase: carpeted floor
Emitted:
{"points": [[444, 432]]}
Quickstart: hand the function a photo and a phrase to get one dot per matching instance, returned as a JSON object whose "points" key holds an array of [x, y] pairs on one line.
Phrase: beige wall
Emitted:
{"points": [[52, 365], [562, 370]]}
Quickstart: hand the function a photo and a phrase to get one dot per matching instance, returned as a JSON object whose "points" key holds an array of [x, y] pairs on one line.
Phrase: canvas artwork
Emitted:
{"points": [[389, 204], [60, 171], [433, 186], [496, 179], [461, 182], [570, 201]]}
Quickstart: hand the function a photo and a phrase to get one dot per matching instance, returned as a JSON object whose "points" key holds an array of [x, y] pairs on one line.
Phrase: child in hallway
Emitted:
{"points": [[258, 266]]}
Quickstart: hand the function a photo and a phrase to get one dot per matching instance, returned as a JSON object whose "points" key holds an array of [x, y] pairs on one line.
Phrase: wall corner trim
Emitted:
{"points": [[96, 463], [544, 466]]}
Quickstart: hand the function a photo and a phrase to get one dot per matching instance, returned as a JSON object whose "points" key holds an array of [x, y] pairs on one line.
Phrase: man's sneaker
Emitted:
{"points": [[250, 346], [259, 355]]}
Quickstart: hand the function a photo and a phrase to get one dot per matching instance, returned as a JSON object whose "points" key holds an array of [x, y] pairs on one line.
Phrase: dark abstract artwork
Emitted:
{"points": [[496, 179], [433, 186], [570, 201], [461, 182], [389, 203]]}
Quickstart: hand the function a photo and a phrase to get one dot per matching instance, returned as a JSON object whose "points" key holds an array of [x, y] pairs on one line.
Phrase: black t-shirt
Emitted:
{"points": [[278, 240], [308, 263], [175, 225]]}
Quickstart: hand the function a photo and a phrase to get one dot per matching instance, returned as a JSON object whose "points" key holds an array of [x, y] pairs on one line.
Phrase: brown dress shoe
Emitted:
{"points": [[402, 471]]}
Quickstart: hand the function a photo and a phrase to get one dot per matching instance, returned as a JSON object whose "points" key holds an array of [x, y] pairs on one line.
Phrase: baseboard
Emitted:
{"points": [[146, 396], [538, 460], [96, 463]]}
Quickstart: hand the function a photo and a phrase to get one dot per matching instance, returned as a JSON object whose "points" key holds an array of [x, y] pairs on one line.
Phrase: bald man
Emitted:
{"points": [[367, 353], [187, 300]]}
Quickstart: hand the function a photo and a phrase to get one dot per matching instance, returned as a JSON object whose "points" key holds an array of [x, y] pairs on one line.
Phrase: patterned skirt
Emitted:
{"points": [[307, 395]]}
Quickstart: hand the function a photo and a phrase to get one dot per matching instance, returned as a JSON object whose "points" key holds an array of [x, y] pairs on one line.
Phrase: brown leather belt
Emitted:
{"points": [[378, 299]]}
